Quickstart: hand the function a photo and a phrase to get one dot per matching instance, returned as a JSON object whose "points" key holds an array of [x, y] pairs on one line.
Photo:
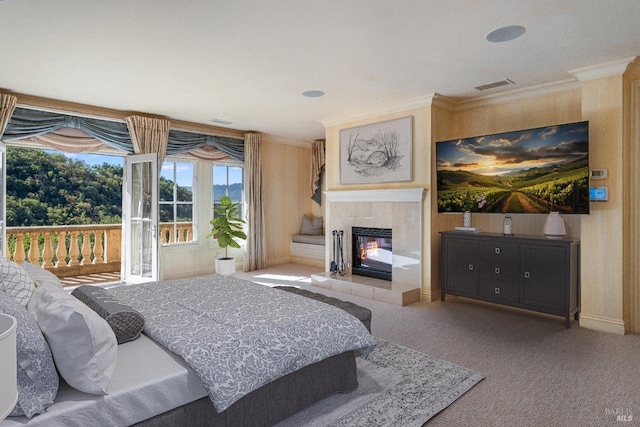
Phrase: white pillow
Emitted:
{"points": [[83, 344], [15, 281], [40, 276]]}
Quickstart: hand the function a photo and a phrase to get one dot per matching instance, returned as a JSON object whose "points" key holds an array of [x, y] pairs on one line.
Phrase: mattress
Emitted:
{"points": [[148, 380]]}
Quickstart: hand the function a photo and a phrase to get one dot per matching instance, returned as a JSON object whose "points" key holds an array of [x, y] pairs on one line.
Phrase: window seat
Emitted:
{"points": [[308, 247]]}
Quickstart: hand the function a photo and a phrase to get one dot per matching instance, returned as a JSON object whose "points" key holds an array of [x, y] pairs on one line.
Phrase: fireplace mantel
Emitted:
{"points": [[393, 195]]}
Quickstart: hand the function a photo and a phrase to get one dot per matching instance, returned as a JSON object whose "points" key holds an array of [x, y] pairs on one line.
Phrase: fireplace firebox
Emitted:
{"points": [[372, 252]]}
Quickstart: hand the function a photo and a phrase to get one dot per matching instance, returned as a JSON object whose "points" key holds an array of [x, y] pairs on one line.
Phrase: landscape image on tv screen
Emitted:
{"points": [[528, 171]]}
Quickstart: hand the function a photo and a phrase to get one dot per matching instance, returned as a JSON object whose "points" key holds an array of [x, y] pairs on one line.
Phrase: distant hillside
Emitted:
{"points": [[562, 187], [235, 192], [50, 189], [455, 179]]}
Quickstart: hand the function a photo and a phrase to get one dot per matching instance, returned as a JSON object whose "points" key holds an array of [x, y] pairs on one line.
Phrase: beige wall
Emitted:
{"points": [[286, 171], [602, 286]]}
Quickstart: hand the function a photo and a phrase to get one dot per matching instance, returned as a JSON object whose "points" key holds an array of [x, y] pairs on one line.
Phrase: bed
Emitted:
{"points": [[273, 354]]}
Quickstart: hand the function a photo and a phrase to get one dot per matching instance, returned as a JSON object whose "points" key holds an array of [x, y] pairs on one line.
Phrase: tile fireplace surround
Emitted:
{"points": [[401, 211]]}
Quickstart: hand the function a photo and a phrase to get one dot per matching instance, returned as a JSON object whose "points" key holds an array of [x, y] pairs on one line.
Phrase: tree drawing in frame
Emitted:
{"points": [[378, 152]]}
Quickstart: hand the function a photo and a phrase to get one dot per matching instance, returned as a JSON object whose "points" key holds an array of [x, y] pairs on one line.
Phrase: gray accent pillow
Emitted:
{"points": [[38, 379], [15, 281], [126, 322], [311, 226]]}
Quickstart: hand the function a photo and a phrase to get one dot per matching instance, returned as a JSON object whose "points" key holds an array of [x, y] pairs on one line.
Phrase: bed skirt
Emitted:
{"points": [[272, 402]]}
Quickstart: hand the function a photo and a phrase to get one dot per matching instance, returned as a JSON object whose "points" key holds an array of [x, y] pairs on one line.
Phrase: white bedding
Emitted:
{"points": [[148, 380]]}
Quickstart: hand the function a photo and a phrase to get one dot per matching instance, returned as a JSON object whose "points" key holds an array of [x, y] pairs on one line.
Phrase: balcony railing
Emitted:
{"points": [[86, 249]]}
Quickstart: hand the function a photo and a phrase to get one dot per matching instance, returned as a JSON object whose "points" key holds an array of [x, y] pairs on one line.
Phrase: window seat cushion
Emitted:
{"points": [[308, 239]]}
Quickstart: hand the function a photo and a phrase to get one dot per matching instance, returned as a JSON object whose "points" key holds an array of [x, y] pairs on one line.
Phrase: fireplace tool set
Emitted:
{"points": [[337, 264]]}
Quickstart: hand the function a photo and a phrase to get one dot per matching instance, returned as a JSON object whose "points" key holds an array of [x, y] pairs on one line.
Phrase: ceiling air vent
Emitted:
{"points": [[220, 122], [495, 84]]}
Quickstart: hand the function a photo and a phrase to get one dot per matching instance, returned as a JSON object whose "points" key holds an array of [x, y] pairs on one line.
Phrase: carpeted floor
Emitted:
{"points": [[397, 386], [537, 372]]}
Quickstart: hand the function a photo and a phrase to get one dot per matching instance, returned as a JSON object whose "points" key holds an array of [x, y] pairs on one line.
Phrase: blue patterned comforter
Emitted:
{"points": [[237, 335]]}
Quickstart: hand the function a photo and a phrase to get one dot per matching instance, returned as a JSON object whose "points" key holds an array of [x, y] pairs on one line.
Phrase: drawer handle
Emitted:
{"points": [[497, 290], [497, 250], [470, 267], [527, 275], [497, 270]]}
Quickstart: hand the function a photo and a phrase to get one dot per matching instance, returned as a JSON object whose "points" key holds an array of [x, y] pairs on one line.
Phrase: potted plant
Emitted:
{"points": [[226, 227]]}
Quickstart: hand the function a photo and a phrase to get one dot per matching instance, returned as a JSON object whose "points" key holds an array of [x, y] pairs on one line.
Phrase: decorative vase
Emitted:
{"points": [[554, 226], [507, 228], [466, 219]]}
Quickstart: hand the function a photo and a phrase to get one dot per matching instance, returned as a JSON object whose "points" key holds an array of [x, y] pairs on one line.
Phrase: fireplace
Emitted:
{"points": [[372, 252]]}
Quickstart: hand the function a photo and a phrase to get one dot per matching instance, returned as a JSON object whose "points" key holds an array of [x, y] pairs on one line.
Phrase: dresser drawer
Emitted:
{"points": [[502, 291], [493, 268], [498, 249]]}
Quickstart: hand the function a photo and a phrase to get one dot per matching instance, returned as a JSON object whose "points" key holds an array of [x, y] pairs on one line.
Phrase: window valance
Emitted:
{"points": [[27, 123]]}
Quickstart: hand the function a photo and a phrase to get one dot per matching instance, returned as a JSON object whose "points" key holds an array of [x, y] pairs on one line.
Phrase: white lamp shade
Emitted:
{"points": [[554, 226], [8, 365]]}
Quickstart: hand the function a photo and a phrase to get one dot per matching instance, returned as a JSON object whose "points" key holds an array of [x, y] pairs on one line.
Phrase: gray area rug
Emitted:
{"points": [[398, 386]]}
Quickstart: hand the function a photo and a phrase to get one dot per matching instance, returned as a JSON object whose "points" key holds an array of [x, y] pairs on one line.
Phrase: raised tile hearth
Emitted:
{"points": [[368, 287]]}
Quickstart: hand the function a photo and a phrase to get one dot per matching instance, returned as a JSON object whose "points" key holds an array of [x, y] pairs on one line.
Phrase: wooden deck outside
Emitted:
{"points": [[90, 279]]}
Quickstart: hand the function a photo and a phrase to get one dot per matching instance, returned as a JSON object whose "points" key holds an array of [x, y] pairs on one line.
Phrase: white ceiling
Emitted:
{"points": [[248, 61]]}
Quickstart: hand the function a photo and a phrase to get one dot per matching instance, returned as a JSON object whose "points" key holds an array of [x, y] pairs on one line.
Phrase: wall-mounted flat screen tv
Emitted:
{"points": [[527, 171]]}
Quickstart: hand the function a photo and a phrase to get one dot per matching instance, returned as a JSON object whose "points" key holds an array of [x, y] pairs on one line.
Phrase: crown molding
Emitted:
{"points": [[449, 104], [517, 94], [605, 69], [409, 104], [90, 111]]}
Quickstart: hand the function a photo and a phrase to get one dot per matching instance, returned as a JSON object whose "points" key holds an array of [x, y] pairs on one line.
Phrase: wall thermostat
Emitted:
{"points": [[598, 173], [599, 194]]}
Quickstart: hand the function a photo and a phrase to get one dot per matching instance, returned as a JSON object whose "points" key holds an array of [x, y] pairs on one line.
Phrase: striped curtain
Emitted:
{"points": [[7, 106], [317, 167], [256, 250], [149, 135]]}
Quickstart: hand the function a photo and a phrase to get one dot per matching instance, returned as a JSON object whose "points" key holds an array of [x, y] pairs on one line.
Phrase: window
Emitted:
{"points": [[176, 202], [228, 181]]}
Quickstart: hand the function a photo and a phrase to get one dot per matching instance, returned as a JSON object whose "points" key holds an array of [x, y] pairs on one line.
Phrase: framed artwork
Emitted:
{"points": [[377, 152]]}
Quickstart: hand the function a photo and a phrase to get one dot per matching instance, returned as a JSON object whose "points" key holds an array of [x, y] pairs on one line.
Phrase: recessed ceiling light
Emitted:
{"points": [[505, 34], [313, 93]]}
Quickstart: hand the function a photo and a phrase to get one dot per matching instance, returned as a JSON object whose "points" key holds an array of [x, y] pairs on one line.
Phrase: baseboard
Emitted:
{"points": [[602, 324], [275, 261], [431, 296]]}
